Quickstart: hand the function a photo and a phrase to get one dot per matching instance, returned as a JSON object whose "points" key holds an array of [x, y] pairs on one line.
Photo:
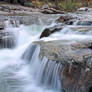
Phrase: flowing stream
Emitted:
{"points": [[21, 70]]}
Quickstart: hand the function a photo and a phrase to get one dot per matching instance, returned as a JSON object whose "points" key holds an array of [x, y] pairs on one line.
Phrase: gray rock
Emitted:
{"points": [[76, 58]]}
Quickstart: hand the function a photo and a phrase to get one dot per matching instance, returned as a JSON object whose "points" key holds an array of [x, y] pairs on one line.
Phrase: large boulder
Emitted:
{"points": [[76, 59]]}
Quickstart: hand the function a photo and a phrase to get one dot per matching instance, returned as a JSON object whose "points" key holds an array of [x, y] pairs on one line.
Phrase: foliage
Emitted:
{"points": [[68, 5], [62, 4]]}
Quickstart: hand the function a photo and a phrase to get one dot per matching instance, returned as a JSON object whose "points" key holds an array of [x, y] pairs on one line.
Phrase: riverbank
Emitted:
{"points": [[18, 10]]}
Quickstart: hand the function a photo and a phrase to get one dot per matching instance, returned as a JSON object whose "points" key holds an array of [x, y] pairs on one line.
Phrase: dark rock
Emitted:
{"points": [[48, 31], [70, 22], [45, 33], [47, 11], [52, 11], [65, 19], [22, 2]]}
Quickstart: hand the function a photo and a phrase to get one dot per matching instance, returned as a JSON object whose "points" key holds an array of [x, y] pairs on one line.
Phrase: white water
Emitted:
{"points": [[16, 74], [21, 70], [68, 34]]}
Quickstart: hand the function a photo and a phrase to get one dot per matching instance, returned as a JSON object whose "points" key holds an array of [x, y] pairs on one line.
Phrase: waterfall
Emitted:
{"points": [[9, 34], [46, 72], [21, 67]]}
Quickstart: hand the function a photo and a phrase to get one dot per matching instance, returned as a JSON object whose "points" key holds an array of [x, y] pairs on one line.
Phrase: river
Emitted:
{"points": [[19, 74]]}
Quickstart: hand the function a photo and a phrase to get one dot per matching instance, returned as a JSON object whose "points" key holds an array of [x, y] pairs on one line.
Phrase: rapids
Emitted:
{"points": [[21, 70], [16, 74]]}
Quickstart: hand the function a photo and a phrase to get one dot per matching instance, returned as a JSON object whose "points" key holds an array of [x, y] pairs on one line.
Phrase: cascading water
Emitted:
{"points": [[47, 72], [72, 33], [21, 69]]}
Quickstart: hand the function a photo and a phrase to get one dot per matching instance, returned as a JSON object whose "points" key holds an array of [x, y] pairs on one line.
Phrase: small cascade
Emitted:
{"points": [[29, 53], [7, 39], [46, 72], [49, 73], [22, 69], [12, 23], [8, 36], [71, 33]]}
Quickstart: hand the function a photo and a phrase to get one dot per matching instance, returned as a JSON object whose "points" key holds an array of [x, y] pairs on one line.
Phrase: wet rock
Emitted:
{"points": [[46, 11], [52, 11], [66, 19], [76, 58], [48, 31]]}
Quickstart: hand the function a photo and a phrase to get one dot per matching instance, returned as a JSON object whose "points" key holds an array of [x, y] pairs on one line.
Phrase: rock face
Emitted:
{"points": [[76, 58]]}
